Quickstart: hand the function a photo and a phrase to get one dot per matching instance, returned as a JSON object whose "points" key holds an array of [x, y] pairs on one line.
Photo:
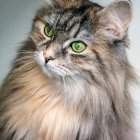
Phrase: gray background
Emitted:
{"points": [[15, 23]]}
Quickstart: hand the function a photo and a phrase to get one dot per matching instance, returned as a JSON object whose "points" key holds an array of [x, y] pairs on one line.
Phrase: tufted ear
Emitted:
{"points": [[114, 20]]}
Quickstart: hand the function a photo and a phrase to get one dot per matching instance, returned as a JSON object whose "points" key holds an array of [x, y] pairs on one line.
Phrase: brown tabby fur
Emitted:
{"points": [[94, 104]]}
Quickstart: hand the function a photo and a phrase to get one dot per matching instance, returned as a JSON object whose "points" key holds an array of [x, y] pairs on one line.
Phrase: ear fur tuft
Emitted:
{"points": [[114, 20]]}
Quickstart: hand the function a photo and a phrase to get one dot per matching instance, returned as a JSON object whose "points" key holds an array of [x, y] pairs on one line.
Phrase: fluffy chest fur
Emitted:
{"points": [[68, 109]]}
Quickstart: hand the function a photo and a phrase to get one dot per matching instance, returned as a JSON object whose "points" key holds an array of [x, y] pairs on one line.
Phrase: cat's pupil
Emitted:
{"points": [[77, 46], [48, 31]]}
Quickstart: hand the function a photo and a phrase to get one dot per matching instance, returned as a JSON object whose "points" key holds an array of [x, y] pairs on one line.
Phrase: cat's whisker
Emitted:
{"points": [[60, 71], [64, 69]]}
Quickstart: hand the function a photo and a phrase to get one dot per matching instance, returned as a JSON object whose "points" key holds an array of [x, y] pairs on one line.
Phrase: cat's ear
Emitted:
{"points": [[115, 19]]}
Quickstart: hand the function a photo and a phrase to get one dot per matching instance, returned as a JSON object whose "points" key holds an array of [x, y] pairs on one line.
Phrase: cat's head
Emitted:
{"points": [[78, 37]]}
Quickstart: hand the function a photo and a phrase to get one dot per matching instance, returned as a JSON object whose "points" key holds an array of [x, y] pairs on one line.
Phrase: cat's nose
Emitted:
{"points": [[49, 52], [48, 58]]}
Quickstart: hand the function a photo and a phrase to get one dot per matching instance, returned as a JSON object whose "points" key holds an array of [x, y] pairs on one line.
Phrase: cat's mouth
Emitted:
{"points": [[56, 70], [52, 68]]}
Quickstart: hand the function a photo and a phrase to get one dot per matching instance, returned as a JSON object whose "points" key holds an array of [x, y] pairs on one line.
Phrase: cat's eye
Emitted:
{"points": [[48, 31], [78, 46]]}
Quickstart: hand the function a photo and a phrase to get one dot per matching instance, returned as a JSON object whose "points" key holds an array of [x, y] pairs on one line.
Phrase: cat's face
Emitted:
{"points": [[78, 40]]}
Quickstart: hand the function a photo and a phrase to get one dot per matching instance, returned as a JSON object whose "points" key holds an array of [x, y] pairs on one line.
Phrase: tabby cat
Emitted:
{"points": [[71, 77]]}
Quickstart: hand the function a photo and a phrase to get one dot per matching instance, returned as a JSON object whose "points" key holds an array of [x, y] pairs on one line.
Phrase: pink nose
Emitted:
{"points": [[48, 58], [48, 54]]}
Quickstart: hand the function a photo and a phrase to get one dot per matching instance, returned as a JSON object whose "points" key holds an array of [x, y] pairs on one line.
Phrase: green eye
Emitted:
{"points": [[78, 46], [48, 31]]}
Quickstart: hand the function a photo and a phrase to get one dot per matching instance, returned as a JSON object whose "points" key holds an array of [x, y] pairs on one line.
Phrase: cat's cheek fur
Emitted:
{"points": [[39, 58]]}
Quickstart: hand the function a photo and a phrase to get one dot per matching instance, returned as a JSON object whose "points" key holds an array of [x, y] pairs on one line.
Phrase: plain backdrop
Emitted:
{"points": [[15, 23]]}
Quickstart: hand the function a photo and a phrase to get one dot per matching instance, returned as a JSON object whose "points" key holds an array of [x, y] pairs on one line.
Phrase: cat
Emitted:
{"points": [[71, 77]]}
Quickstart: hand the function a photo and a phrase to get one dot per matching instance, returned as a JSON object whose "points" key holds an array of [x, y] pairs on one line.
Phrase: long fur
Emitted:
{"points": [[92, 104]]}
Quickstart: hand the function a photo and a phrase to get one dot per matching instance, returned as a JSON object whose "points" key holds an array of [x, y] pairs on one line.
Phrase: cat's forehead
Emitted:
{"points": [[68, 16], [65, 20], [64, 17]]}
